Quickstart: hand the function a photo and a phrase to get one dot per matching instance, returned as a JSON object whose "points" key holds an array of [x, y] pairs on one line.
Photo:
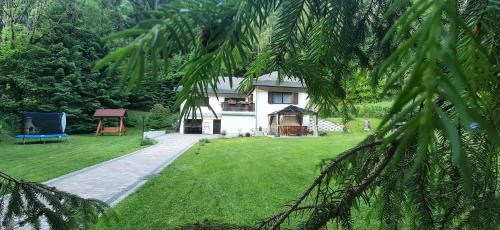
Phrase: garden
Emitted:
{"points": [[231, 180], [413, 82]]}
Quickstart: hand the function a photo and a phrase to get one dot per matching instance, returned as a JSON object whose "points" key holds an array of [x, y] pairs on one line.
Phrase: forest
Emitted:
{"points": [[432, 162], [48, 50]]}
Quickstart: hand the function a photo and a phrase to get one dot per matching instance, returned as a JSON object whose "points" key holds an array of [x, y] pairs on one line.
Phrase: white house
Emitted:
{"points": [[267, 105]]}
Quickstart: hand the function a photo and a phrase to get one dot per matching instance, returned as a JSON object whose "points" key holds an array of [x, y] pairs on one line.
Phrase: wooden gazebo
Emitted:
{"points": [[110, 113], [289, 121]]}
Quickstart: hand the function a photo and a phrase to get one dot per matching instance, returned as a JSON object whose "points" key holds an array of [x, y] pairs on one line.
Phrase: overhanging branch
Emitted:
{"points": [[278, 219]]}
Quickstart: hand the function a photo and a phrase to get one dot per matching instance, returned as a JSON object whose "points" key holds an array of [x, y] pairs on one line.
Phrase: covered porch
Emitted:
{"points": [[292, 121]]}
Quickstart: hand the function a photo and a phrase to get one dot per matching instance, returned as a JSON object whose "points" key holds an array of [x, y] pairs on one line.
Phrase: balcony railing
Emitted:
{"points": [[241, 106]]}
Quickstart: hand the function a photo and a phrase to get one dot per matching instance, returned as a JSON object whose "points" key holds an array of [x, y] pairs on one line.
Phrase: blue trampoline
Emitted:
{"points": [[43, 126]]}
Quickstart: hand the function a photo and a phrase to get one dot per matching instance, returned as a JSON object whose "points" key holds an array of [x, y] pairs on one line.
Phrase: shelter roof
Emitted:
{"points": [[110, 112], [293, 110]]}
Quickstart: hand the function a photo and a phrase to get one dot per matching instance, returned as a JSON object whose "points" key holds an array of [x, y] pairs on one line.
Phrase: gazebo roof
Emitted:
{"points": [[293, 110], [110, 112]]}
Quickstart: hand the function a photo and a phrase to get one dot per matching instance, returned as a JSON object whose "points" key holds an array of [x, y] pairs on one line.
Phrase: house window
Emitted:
{"points": [[287, 98], [282, 98]]}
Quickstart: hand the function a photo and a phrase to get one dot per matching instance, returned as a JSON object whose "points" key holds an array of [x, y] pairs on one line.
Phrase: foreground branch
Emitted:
{"points": [[27, 203], [352, 193], [278, 219]]}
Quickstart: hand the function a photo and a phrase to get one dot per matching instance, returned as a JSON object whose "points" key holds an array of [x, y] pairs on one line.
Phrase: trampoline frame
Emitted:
{"points": [[43, 137]]}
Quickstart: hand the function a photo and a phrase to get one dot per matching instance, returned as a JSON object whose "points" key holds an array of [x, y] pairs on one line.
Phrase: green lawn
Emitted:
{"points": [[232, 180], [40, 162]]}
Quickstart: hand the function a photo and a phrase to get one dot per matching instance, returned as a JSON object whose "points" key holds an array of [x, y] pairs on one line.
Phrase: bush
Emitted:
{"points": [[148, 141], [160, 118], [129, 122], [204, 141], [375, 110], [9, 125], [247, 134]]}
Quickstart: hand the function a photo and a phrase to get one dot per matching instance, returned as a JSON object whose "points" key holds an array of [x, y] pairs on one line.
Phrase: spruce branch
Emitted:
{"points": [[275, 221], [28, 203]]}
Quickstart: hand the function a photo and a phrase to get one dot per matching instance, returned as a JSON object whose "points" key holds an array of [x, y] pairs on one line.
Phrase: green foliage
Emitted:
{"points": [[160, 118], [61, 210], [438, 58], [55, 74], [377, 109], [8, 126], [158, 91], [204, 141], [148, 141], [48, 66], [359, 90]]}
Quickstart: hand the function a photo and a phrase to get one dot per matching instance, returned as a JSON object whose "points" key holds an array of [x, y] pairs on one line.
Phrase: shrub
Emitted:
{"points": [[322, 133], [160, 118], [378, 110], [204, 141], [3, 131], [148, 141], [130, 122], [8, 126], [247, 134]]}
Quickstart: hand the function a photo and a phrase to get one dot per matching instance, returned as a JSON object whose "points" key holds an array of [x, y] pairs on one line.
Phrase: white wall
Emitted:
{"points": [[263, 108], [233, 122], [236, 124], [208, 115]]}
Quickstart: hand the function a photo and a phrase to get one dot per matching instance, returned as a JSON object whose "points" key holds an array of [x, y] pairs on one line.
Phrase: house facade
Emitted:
{"points": [[255, 112]]}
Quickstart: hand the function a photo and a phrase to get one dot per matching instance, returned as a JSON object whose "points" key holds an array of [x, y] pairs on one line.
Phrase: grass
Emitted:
{"points": [[40, 162], [232, 180]]}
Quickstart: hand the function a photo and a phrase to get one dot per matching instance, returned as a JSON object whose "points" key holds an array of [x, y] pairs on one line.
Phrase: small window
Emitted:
{"points": [[277, 98], [287, 98], [282, 98]]}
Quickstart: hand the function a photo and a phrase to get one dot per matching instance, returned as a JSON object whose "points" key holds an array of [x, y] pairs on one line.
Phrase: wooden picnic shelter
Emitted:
{"points": [[102, 114]]}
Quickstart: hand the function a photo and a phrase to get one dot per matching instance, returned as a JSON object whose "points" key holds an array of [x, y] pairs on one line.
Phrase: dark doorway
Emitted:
{"points": [[216, 126], [193, 126]]}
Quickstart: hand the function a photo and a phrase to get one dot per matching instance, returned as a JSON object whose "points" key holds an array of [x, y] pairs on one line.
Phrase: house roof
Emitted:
{"points": [[224, 85], [110, 112], [271, 80], [293, 110]]}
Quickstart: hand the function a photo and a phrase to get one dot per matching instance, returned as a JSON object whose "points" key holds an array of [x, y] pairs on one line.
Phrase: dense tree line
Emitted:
{"points": [[47, 53]]}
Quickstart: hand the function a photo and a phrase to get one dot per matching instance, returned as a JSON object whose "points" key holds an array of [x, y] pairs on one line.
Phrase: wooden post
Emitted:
{"points": [[316, 128], [98, 131], [278, 124], [121, 127]]}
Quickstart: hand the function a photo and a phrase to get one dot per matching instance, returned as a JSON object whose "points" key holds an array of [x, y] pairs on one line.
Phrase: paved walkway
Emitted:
{"points": [[113, 180]]}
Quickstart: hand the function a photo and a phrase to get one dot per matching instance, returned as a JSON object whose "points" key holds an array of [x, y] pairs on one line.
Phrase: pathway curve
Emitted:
{"points": [[113, 180]]}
